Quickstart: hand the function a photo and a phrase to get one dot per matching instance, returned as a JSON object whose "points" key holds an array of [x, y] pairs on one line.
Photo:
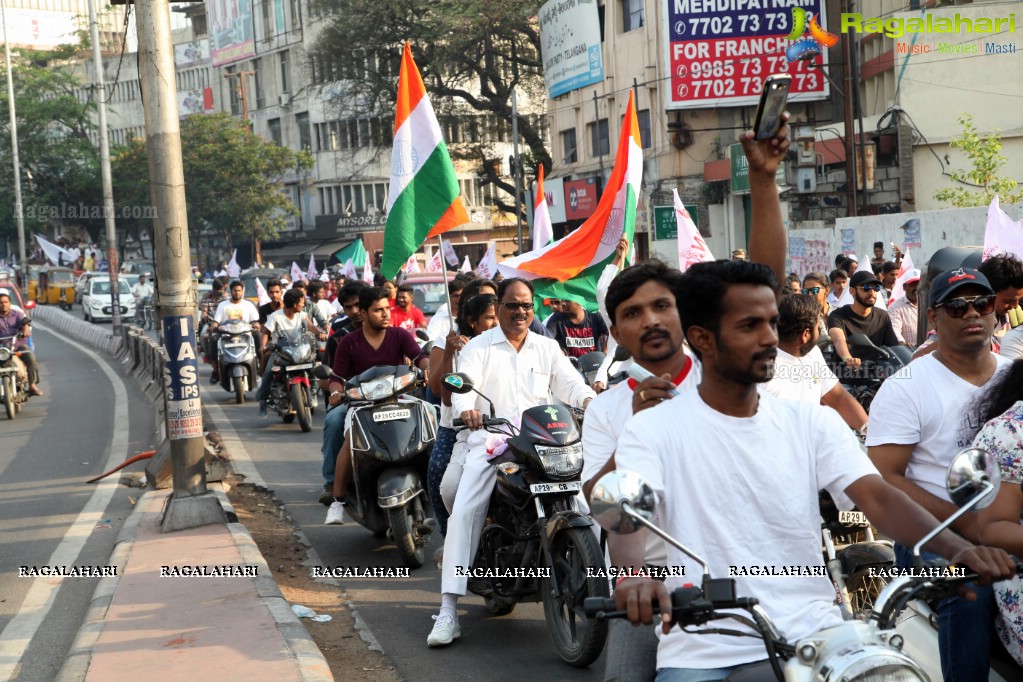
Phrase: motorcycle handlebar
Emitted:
{"points": [[685, 602], [459, 423]]}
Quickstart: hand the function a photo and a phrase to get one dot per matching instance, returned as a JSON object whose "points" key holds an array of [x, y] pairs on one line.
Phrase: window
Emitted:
{"points": [[296, 14], [643, 119], [267, 25], [305, 139], [632, 15], [273, 128], [232, 88], [285, 80], [568, 146], [257, 80], [600, 139]]}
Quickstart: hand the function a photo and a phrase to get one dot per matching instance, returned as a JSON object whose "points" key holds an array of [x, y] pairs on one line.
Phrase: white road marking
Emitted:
{"points": [[16, 637]]}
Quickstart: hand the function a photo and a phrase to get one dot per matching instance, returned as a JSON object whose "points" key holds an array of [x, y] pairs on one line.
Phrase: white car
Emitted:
{"points": [[97, 300]]}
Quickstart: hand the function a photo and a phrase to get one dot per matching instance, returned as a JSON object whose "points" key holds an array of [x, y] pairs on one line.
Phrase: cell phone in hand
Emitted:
{"points": [[773, 98]]}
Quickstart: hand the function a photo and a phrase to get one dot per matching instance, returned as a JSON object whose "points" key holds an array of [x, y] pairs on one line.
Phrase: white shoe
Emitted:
{"points": [[335, 515], [445, 630]]}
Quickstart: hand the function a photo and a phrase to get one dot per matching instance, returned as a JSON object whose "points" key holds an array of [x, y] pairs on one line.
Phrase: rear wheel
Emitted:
{"points": [[578, 639], [9, 396], [403, 521], [300, 404], [864, 588], [239, 390]]}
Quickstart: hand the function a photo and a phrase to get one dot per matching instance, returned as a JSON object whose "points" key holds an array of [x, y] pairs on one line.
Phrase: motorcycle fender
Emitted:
{"points": [[395, 487], [298, 380], [863, 554], [238, 370], [567, 519]]}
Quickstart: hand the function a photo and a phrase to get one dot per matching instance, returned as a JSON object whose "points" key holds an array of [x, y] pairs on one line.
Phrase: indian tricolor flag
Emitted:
{"points": [[543, 230], [570, 267], [423, 200]]}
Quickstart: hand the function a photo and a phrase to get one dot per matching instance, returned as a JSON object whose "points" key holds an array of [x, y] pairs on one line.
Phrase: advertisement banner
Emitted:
{"points": [[581, 198], [41, 30], [720, 52], [570, 45], [181, 379], [554, 190], [231, 31], [189, 54], [194, 102]]}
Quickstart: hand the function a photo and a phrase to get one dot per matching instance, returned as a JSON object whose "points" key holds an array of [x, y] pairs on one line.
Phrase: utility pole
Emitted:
{"points": [[191, 504], [517, 170], [104, 165], [257, 256], [18, 213], [850, 131]]}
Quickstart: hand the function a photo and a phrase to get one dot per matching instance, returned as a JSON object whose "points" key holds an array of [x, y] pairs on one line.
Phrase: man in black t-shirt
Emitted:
{"points": [[861, 317], [276, 293], [577, 330]]}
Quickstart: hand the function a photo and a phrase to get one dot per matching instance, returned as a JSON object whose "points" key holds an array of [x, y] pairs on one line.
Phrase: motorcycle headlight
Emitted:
{"points": [[5, 353], [377, 388], [870, 664], [561, 461]]}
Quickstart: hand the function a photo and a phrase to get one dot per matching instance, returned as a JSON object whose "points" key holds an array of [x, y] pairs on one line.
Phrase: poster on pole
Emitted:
{"points": [[231, 31], [570, 45], [719, 52], [181, 379]]}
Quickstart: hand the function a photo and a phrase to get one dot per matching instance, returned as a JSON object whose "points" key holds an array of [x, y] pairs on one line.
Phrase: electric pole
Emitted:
{"points": [[18, 214], [191, 504]]}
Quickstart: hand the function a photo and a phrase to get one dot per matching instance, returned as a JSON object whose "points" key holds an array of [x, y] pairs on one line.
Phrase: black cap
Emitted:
{"points": [[861, 277], [947, 282]]}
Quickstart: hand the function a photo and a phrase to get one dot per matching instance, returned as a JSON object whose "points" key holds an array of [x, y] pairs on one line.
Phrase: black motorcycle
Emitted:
{"points": [[878, 363], [13, 377], [291, 395], [536, 544]]}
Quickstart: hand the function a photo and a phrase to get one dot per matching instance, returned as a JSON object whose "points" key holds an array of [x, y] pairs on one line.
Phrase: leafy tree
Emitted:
{"points": [[59, 163], [471, 53], [985, 156], [232, 178]]}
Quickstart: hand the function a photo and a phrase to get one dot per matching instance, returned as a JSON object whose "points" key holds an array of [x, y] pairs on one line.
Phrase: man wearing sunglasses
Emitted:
{"points": [[920, 418], [861, 317]]}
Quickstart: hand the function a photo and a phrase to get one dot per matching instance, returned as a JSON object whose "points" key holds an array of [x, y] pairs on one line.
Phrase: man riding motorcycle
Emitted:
{"points": [[235, 308], [14, 323], [287, 318]]}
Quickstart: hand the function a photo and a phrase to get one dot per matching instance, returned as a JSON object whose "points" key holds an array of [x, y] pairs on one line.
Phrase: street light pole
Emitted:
{"points": [[18, 213]]}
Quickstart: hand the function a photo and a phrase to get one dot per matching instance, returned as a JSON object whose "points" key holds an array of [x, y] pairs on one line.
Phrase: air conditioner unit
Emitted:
{"points": [[284, 99]]}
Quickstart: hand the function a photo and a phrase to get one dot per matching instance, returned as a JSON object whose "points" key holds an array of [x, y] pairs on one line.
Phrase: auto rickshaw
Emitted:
{"points": [[53, 286]]}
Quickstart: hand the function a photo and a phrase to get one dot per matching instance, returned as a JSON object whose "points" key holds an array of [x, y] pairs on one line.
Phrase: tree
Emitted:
{"points": [[233, 179], [60, 178], [985, 156], [471, 53]]}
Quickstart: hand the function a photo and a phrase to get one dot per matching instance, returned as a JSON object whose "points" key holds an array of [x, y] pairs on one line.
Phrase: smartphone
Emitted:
{"points": [[773, 98]]}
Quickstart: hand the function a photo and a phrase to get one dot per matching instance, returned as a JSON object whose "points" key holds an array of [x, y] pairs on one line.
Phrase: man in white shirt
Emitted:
{"points": [[517, 370], [235, 308], [904, 312], [736, 473], [800, 372], [141, 290], [920, 418], [440, 324], [291, 316]]}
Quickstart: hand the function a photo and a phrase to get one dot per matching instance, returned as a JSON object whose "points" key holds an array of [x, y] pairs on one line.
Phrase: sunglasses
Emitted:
{"points": [[957, 307], [871, 287], [812, 290], [515, 305]]}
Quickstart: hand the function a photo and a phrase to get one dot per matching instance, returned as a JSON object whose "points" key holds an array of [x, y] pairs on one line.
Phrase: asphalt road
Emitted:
{"points": [[513, 647], [91, 418]]}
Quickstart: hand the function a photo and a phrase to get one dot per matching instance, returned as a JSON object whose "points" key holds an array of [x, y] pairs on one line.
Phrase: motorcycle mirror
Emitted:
{"points": [[457, 383], [575, 362], [30, 305], [860, 340], [322, 371], [612, 492], [422, 335], [973, 473], [622, 354]]}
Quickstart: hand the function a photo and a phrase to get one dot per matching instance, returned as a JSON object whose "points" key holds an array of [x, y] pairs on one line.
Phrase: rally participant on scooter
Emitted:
{"points": [[235, 308], [291, 316], [14, 322], [516, 369], [737, 472], [377, 344]]}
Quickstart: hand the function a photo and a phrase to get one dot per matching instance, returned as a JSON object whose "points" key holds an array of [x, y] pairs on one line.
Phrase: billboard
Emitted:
{"points": [[190, 54], [581, 198], [720, 52], [41, 30], [570, 45], [198, 101], [231, 31]]}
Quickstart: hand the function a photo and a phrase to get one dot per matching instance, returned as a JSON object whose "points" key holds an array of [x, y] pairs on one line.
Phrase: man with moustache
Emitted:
{"points": [[904, 312], [861, 317], [737, 472]]}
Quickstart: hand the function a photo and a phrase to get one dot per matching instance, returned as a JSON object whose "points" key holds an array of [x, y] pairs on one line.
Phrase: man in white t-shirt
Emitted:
{"points": [[920, 418], [235, 308], [291, 316], [736, 473], [800, 372]]}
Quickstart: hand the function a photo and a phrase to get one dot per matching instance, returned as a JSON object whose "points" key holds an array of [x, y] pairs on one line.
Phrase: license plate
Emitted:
{"points": [[853, 518], [307, 365], [546, 488], [392, 415]]}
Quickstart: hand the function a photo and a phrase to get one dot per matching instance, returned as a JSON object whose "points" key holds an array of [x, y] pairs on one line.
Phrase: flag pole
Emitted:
{"points": [[447, 294]]}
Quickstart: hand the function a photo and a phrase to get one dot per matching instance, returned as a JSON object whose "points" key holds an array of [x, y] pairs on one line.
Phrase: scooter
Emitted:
{"points": [[291, 394], [236, 356], [13, 377], [854, 650], [537, 545], [391, 441]]}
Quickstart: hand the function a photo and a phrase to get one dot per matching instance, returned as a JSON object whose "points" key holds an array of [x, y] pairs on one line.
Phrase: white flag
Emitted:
{"points": [[311, 271], [466, 265], [449, 253], [412, 265], [56, 254], [233, 270], [296, 273], [906, 273], [488, 264], [691, 247], [434, 264], [543, 230], [1002, 234], [261, 294], [349, 270], [367, 272]]}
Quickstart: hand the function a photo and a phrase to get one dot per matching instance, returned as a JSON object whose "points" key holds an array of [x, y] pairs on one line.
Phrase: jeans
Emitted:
{"points": [[439, 458], [965, 628], [631, 652], [694, 674], [32, 367], [333, 439], [263, 392]]}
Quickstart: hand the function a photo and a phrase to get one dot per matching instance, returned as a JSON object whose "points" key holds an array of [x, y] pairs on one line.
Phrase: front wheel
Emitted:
{"points": [[300, 404], [9, 397], [239, 390], [578, 639], [403, 522]]}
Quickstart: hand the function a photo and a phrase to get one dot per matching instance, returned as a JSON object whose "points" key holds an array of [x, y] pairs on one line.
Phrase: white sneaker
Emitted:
{"points": [[335, 515], [445, 630]]}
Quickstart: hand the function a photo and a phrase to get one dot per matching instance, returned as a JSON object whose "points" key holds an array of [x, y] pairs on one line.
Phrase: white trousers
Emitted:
{"points": [[466, 521]]}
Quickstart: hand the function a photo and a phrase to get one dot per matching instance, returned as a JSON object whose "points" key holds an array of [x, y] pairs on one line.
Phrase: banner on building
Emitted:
{"points": [[570, 45], [231, 31]]}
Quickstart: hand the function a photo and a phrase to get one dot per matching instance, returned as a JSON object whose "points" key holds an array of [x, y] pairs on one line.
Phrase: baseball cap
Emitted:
{"points": [[861, 277], [947, 282], [912, 276]]}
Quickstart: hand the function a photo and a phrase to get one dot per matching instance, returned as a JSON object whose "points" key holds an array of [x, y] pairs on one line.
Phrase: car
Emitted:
{"points": [[140, 267], [97, 299], [7, 282], [264, 275], [429, 291]]}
